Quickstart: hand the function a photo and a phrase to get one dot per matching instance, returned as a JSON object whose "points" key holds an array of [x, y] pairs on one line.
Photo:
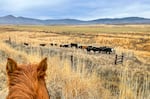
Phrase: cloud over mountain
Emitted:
{"points": [[78, 9]]}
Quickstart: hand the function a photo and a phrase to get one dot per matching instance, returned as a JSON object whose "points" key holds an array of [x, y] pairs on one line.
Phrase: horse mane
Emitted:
{"points": [[24, 83]]}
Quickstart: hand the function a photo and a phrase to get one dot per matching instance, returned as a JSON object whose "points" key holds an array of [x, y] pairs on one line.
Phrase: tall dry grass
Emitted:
{"points": [[130, 80], [62, 81], [103, 83]]}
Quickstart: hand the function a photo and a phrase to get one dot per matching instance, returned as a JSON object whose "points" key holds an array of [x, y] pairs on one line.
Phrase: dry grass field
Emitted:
{"points": [[91, 75]]}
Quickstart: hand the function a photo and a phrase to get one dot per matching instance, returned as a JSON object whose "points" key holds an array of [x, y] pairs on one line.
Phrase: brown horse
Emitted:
{"points": [[27, 81]]}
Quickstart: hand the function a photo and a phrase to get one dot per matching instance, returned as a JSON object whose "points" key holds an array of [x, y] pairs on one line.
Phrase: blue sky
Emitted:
{"points": [[77, 9]]}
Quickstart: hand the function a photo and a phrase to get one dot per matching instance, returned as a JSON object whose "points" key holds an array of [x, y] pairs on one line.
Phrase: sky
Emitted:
{"points": [[75, 9]]}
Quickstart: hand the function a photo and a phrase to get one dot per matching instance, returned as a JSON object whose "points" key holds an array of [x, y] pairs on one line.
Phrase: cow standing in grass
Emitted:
{"points": [[74, 45], [26, 44], [108, 50], [42, 44]]}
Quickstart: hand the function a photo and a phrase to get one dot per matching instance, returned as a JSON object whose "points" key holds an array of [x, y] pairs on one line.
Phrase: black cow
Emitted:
{"points": [[60, 45], [74, 45], [55, 44], [42, 44], [81, 47], [89, 48], [107, 50], [26, 44], [102, 48], [51, 44], [95, 49], [64, 46]]}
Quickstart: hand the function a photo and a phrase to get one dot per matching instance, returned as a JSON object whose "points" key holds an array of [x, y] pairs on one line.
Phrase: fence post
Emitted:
{"points": [[72, 60], [41, 51], [116, 59], [122, 58], [61, 56], [9, 40]]}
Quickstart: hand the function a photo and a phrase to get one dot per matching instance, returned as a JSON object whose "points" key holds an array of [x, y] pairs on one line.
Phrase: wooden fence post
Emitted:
{"points": [[119, 59], [9, 40], [116, 59], [122, 58], [41, 51], [72, 60]]}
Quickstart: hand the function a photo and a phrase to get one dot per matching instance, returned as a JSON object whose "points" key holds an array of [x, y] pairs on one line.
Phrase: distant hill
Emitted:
{"points": [[10, 19], [126, 20]]}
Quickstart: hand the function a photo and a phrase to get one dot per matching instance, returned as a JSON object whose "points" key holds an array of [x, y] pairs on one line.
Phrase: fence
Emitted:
{"points": [[119, 59]]}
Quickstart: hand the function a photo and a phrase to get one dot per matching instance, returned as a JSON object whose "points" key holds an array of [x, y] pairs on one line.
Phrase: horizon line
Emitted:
{"points": [[74, 18]]}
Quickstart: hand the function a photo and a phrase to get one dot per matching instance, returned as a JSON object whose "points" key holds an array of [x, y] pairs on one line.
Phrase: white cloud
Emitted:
{"points": [[132, 9], [21, 5], [79, 9]]}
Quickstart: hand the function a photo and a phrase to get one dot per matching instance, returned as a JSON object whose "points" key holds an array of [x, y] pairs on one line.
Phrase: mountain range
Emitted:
{"points": [[10, 19]]}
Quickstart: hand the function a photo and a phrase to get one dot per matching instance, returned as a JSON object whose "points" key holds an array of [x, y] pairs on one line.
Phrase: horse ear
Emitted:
{"points": [[42, 67], [11, 65]]}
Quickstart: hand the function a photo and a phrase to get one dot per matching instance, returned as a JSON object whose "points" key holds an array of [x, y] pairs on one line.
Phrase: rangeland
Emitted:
{"points": [[86, 75]]}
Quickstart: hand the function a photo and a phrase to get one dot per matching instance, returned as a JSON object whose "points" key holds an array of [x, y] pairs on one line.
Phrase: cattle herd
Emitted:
{"points": [[102, 49], [89, 48]]}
